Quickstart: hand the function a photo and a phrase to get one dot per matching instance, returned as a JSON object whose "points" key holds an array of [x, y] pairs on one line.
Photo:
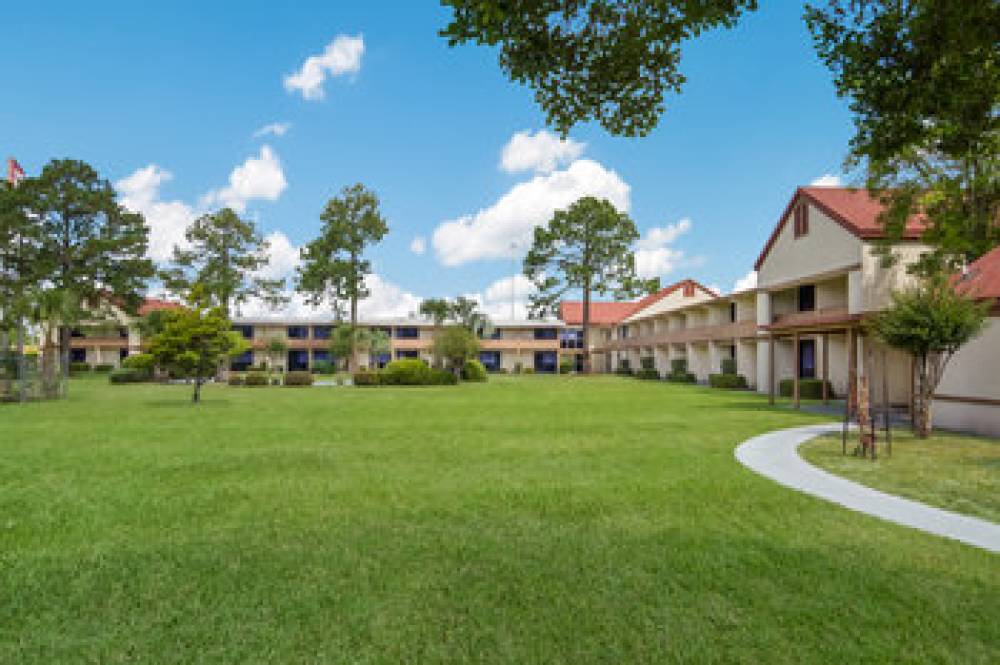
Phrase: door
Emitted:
{"points": [[807, 359]]}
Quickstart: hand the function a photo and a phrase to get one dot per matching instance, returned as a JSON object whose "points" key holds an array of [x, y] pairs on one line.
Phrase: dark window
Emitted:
{"points": [[545, 333], [490, 360], [322, 332], [407, 353], [732, 352], [546, 361], [732, 312], [123, 333], [246, 331], [407, 333], [122, 354], [298, 360], [76, 332], [242, 362], [380, 360], [622, 332], [298, 332], [78, 355], [571, 339], [807, 358], [801, 220], [321, 356], [807, 298], [492, 333]]}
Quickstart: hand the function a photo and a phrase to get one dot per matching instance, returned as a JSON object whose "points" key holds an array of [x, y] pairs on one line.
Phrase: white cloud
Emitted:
{"points": [[273, 129], [387, 300], [282, 254], [258, 177], [341, 56], [541, 152], [418, 245], [491, 232], [746, 282], [496, 300], [654, 253], [828, 180], [167, 220]]}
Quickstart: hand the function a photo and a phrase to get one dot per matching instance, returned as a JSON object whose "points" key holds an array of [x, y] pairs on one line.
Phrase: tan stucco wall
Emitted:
{"points": [[878, 282], [828, 247], [668, 303], [973, 372]]}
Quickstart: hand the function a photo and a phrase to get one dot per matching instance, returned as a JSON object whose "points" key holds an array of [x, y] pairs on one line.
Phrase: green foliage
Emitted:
{"points": [[808, 388], [528, 370], [566, 365], [322, 367], [79, 368], [728, 365], [648, 374], [366, 377], [127, 375], [455, 344], [236, 379], [436, 309], [195, 340], [298, 379], [256, 379], [730, 381], [474, 371], [144, 362], [624, 367], [441, 377], [647, 362], [103, 368], [609, 61], [586, 248], [678, 372], [923, 77], [406, 372], [224, 255]]}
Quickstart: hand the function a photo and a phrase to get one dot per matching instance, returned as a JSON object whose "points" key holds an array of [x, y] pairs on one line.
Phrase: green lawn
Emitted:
{"points": [[960, 473], [527, 520]]}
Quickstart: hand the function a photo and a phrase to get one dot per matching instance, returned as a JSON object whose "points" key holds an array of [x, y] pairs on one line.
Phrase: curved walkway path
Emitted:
{"points": [[775, 455]]}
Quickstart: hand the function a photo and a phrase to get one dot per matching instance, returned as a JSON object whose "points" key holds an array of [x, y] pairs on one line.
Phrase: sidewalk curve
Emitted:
{"points": [[775, 456]]}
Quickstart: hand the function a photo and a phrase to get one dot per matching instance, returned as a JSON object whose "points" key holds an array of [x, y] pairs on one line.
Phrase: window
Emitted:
{"points": [[78, 355], [546, 362], [122, 354], [571, 339], [298, 360], [807, 297], [545, 333], [242, 362], [408, 333], [622, 332], [801, 220], [380, 360], [732, 312], [123, 332], [298, 332], [246, 331], [320, 356], [490, 333], [322, 332], [807, 358], [490, 360], [407, 353]]}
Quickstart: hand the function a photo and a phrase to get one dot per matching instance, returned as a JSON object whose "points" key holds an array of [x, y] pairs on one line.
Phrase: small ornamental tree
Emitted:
{"points": [[455, 344], [586, 248], [275, 348], [931, 323], [195, 340]]}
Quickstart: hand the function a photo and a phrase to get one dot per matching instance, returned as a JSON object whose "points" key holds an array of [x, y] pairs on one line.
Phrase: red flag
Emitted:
{"points": [[15, 173]]}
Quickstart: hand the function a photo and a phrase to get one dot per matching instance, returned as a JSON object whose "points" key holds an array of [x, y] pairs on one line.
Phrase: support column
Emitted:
{"points": [[826, 367], [798, 370], [770, 372]]}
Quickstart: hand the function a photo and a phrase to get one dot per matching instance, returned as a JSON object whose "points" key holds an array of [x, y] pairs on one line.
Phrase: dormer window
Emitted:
{"points": [[801, 220]]}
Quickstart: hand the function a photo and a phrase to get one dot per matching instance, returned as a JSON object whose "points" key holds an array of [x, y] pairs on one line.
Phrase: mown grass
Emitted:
{"points": [[527, 520], [960, 473]]}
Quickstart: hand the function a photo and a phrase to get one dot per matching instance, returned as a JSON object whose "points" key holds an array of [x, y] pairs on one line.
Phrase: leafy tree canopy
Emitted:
{"points": [[455, 344], [610, 61]]}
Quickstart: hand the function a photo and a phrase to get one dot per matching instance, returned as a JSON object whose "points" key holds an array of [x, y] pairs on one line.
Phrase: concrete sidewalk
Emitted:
{"points": [[775, 455]]}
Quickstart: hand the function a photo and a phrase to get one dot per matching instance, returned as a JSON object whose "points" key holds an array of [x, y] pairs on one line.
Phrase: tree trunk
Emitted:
{"points": [[586, 327], [50, 366], [352, 361], [22, 369], [197, 390], [64, 338], [922, 427]]}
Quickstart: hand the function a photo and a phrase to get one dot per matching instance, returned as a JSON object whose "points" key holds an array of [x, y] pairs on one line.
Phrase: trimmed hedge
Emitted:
{"points": [[678, 372], [298, 379], [566, 365], [78, 368], [728, 381], [440, 377], [322, 367], [808, 388], [366, 377], [648, 374], [103, 368], [474, 371], [728, 366], [255, 379], [406, 372], [126, 375], [528, 370], [236, 380]]}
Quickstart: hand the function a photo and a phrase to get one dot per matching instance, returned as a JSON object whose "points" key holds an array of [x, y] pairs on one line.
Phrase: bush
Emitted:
{"points": [[440, 377], [78, 368], [144, 362], [623, 367], [518, 368], [686, 377], [648, 373], [406, 372], [255, 379], [103, 368], [298, 379], [728, 381], [728, 366], [528, 370], [126, 375], [236, 380], [808, 388], [679, 366], [322, 367], [566, 365], [366, 377], [474, 371]]}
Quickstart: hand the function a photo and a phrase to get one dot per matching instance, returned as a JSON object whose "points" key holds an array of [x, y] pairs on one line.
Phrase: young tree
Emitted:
{"points": [[455, 344], [605, 60], [466, 313], [923, 78], [275, 347], [333, 266], [931, 323], [379, 343], [586, 248], [195, 340], [90, 249], [224, 256]]}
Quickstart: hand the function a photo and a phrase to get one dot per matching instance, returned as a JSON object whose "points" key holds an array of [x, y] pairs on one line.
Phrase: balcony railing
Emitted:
{"points": [[821, 316], [722, 331]]}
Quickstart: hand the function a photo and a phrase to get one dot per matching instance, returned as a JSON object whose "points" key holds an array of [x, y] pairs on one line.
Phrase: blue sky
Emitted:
{"points": [[165, 98]]}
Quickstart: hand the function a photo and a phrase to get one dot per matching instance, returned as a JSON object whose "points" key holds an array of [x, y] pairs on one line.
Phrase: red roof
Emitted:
{"points": [[156, 304], [607, 313], [982, 278], [854, 209]]}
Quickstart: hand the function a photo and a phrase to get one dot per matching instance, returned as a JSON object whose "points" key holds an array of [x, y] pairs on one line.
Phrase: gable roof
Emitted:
{"points": [[608, 313], [982, 278], [855, 210], [156, 304]]}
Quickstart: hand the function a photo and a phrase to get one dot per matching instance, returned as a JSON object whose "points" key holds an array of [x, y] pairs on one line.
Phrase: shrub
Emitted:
{"points": [[679, 366], [728, 366], [440, 377], [322, 367], [126, 375], [808, 388], [518, 368], [528, 370], [298, 379], [686, 377], [648, 373], [623, 367], [566, 365], [728, 381], [366, 377], [255, 378], [103, 368], [406, 372], [78, 368], [144, 362], [236, 380], [473, 371]]}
